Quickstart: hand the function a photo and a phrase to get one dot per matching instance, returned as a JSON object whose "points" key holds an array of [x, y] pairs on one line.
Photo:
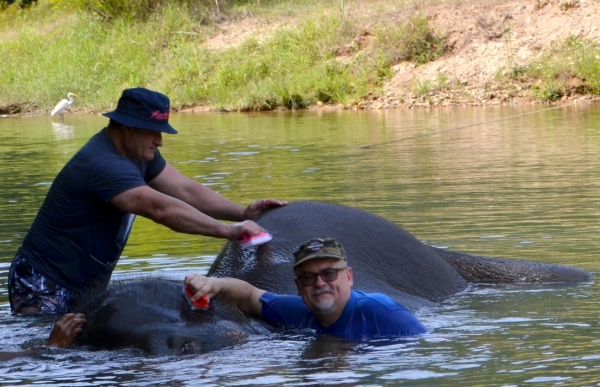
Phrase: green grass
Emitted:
{"points": [[330, 51], [569, 67], [50, 49]]}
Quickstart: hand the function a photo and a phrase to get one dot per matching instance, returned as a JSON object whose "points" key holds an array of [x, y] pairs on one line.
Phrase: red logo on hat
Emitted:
{"points": [[159, 116]]}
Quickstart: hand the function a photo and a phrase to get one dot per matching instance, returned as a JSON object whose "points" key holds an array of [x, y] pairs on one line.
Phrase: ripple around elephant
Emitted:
{"points": [[153, 315]]}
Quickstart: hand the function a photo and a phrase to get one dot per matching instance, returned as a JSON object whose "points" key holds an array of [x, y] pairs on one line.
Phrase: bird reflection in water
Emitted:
{"points": [[62, 131]]}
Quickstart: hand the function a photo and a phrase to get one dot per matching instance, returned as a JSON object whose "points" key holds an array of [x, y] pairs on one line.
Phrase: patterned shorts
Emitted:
{"points": [[30, 292]]}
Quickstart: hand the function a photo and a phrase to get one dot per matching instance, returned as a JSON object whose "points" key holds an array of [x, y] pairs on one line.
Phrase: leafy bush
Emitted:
{"points": [[569, 67], [413, 41], [22, 3]]}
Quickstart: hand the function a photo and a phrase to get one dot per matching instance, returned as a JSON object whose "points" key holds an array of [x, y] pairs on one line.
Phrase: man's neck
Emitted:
{"points": [[115, 136]]}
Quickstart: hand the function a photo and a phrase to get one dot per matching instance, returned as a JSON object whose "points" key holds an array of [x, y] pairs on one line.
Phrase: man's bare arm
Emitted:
{"points": [[171, 182], [178, 215], [245, 296]]}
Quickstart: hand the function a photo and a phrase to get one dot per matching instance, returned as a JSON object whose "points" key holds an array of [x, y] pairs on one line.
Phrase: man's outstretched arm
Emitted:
{"points": [[173, 183], [245, 296]]}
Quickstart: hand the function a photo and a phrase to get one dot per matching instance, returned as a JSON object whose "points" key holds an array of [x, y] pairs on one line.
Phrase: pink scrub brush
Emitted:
{"points": [[256, 240], [200, 304]]}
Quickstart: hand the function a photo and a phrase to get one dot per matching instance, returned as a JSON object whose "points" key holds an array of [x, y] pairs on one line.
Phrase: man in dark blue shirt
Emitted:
{"points": [[81, 229], [325, 301]]}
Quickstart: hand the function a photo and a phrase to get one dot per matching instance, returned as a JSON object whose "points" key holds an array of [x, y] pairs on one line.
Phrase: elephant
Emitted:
{"points": [[385, 258], [154, 315]]}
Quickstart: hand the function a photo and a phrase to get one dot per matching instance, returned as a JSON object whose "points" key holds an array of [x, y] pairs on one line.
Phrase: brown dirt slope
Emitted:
{"points": [[484, 40]]}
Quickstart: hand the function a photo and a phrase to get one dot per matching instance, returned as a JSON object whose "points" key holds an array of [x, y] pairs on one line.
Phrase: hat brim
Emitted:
{"points": [[133, 122], [318, 254]]}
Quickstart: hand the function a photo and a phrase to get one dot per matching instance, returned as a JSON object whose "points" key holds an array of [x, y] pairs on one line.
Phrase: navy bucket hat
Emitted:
{"points": [[143, 109]]}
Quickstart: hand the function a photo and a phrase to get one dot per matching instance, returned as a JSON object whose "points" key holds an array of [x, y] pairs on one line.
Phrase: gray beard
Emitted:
{"points": [[324, 307]]}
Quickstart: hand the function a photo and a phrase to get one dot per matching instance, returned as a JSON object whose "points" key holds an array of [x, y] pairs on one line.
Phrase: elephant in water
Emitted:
{"points": [[155, 316]]}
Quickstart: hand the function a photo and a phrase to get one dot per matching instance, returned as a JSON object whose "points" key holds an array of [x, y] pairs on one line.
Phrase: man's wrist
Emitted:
{"points": [[245, 215]]}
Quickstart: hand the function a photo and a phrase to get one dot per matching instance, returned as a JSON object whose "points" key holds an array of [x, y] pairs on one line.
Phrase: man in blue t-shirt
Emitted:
{"points": [[325, 301], [81, 229]]}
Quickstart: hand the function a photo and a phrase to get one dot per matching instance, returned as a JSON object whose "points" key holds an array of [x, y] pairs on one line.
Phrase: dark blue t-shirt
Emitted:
{"points": [[366, 316], [78, 235]]}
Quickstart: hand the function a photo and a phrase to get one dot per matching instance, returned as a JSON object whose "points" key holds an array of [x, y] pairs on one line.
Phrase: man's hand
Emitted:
{"points": [[254, 210], [247, 227], [201, 286], [66, 329], [245, 296]]}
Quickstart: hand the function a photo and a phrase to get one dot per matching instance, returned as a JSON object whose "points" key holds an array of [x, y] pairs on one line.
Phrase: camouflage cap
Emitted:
{"points": [[319, 248]]}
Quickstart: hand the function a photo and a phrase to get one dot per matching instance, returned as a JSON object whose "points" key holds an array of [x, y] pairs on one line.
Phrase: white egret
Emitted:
{"points": [[63, 105]]}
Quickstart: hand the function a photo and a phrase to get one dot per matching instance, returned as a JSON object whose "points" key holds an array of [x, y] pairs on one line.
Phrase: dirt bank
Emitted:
{"points": [[484, 40]]}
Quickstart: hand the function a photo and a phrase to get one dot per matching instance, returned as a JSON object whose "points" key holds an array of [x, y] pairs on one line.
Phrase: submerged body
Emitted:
{"points": [[366, 316], [386, 259]]}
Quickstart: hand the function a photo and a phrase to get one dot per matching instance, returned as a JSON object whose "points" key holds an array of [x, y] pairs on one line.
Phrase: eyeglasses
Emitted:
{"points": [[328, 275]]}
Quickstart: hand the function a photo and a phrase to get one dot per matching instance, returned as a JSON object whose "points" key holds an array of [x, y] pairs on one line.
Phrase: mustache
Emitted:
{"points": [[316, 292]]}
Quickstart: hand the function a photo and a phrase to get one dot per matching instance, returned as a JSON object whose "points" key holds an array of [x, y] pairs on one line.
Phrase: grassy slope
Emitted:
{"points": [[320, 52], [48, 52]]}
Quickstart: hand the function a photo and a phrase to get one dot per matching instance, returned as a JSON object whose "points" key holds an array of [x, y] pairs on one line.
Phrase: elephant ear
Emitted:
{"points": [[385, 258]]}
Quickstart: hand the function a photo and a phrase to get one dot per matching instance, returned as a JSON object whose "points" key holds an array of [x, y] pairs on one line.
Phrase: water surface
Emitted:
{"points": [[524, 187]]}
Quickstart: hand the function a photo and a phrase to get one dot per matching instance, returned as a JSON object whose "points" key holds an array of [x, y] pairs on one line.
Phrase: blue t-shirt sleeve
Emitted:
{"points": [[284, 310], [401, 322], [154, 167]]}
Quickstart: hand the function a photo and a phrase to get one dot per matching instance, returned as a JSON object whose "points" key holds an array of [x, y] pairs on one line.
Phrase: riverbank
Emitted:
{"points": [[488, 45], [327, 55]]}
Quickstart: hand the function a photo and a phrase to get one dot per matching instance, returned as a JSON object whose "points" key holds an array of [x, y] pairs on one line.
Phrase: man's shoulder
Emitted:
{"points": [[270, 296], [99, 143], [377, 304], [365, 299], [386, 316], [282, 303], [280, 309], [96, 150]]}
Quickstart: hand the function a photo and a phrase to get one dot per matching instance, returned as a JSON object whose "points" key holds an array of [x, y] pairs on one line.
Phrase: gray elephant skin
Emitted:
{"points": [[154, 315]]}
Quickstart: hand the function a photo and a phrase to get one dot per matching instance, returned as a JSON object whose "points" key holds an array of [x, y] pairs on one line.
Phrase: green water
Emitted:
{"points": [[525, 187]]}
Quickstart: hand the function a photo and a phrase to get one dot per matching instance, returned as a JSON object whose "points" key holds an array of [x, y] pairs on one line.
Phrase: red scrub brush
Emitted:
{"points": [[200, 304], [248, 241]]}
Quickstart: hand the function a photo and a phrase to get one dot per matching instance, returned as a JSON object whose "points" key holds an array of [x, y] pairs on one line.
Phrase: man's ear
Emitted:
{"points": [[350, 275], [298, 286]]}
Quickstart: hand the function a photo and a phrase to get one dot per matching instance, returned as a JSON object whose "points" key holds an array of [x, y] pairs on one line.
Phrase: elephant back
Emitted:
{"points": [[384, 257]]}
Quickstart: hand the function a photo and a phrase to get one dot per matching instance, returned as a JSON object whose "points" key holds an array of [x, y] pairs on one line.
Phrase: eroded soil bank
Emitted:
{"points": [[486, 40]]}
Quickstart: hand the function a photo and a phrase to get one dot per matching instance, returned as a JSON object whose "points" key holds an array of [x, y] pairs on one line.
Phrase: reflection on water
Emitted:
{"points": [[522, 188], [62, 131]]}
